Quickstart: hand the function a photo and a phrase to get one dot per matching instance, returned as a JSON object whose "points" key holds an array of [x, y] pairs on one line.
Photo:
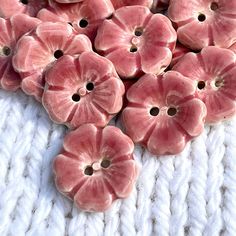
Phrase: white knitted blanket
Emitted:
{"points": [[190, 194]]}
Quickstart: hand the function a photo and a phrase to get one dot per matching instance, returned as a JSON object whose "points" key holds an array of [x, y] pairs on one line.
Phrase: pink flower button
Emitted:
{"points": [[83, 90], [204, 23], [10, 8], [84, 16], [37, 51], [163, 114], [214, 73], [137, 41], [96, 167], [121, 3], [11, 30]]}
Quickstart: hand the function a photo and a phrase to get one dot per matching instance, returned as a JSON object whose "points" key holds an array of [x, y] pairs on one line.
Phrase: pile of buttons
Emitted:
{"points": [[166, 68]]}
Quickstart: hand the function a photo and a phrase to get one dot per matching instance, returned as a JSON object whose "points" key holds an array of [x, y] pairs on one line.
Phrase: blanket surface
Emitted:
{"points": [[193, 193]]}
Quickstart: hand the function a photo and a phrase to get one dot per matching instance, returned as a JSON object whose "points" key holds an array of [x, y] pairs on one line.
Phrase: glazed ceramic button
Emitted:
{"points": [[121, 3], [137, 41], [214, 74], [83, 90], [85, 17], [163, 114], [204, 23], [11, 30], [10, 8], [179, 51], [37, 51], [96, 167]]}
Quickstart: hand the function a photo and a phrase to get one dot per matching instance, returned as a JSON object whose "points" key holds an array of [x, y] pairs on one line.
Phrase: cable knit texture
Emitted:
{"points": [[192, 194]]}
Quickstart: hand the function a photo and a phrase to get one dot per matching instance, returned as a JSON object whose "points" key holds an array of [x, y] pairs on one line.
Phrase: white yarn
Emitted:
{"points": [[197, 189], [193, 193]]}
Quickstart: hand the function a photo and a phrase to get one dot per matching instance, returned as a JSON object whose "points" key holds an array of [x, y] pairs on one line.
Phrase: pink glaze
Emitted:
{"points": [[214, 74], [83, 90], [38, 51], [163, 114], [137, 41], [204, 23], [10, 8], [11, 30], [96, 167], [85, 17]]}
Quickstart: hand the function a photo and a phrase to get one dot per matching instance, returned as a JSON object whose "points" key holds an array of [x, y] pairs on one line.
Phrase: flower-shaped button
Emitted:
{"points": [[96, 167], [85, 17], [121, 3], [137, 41], [204, 23], [214, 73], [11, 30], [10, 8], [163, 114], [37, 51], [83, 90]]}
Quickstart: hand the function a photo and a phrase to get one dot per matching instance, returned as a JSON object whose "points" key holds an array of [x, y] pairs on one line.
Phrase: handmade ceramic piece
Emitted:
{"points": [[203, 23], [96, 167], [11, 30], [136, 41], [214, 74], [83, 90], [85, 17], [37, 51], [121, 3], [179, 51], [10, 8], [163, 114]]}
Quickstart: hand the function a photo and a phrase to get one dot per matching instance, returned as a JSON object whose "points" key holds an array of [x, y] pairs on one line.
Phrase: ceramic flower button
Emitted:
{"points": [[204, 23], [11, 30], [163, 114], [85, 17], [37, 51], [137, 41], [214, 74], [121, 3], [10, 8], [83, 90], [96, 167]]}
